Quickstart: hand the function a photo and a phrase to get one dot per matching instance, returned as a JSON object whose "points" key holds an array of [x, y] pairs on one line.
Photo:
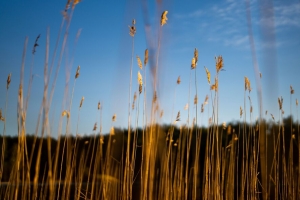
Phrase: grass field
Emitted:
{"points": [[241, 160]]}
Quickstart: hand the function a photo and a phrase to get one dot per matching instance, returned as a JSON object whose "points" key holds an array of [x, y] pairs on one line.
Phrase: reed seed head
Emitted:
{"points": [[280, 101], [247, 84], [273, 117], [241, 112], [114, 117], [260, 75], [101, 139], [161, 114], [35, 44], [20, 92], [164, 18], [75, 3], [8, 81], [68, 5], [146, 57], [139, 62], [186, 106], [202, 108], [196, 55], [1, 117], [95, 127], [140, 79], [140, 89], [112, 131], [99, 105], [195, 100], [215, 86], [178, 80], [77, 72], [206, 100], [193, 65], [296, 102], [292, 90], [154, 97], [266, 112], [81, 101], [65, 113], [132, 29], [219, 63], [207, 75], [224, 125], [178, 116]]}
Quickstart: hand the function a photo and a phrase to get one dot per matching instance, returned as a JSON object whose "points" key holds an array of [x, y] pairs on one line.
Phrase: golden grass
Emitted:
{"points": [[185, 162]]}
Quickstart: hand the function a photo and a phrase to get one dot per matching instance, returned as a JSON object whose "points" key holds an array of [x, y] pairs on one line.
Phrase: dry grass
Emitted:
{"points": [[150, 161]]}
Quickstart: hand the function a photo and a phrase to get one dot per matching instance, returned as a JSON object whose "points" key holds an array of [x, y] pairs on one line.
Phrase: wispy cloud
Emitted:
{"points": [[194, 14]]}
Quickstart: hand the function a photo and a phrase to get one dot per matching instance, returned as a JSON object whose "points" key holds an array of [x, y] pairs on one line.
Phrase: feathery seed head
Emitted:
{"points": [[134, 97], [1, 117], [140, 89], [139, 62], [132, 29], [280, 101], [206, 100], [95, 126], [193, 65], [247, 84], [114, 117], [215, 86], [154, 97], [75, 2], [224, 125], [146, 57], [140, 79], [186, 106], [65, 113], [178, 80], [207, 75], [296, 102], [272, 116], [260, 75], [99, 105], [219, 63], [67, 5], [77, 72], [178, 116], [112, 131], [161, 114], [8, 81], [164, 18], [20, 91], [241, 112], [101, 139], [292, 90], [195, 99], [266, 112], [202, 108], [196, 55], [81, 101]]}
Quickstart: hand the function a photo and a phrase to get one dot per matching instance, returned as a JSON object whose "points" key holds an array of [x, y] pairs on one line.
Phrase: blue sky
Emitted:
{"points": [[104, 48]]}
